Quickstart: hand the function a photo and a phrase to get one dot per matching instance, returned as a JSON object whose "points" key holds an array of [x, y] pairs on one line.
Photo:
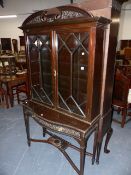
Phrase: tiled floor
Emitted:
{"points": [[16, 158]]}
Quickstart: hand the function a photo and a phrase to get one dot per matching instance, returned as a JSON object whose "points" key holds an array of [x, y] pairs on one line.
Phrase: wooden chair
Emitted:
{"points": [[21, 89], [127, 56], [121, 95], [12, 84], [4, 97]]}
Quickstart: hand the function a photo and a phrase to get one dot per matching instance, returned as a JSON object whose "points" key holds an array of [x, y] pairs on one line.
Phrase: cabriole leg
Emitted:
{"points": [[99, 144], [109, 134]]}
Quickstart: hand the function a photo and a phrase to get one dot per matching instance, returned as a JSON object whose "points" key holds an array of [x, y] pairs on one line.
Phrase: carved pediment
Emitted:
{"points": [[56, 14]]}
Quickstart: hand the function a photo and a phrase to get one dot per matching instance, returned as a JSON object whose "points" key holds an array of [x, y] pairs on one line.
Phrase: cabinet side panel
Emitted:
{"points": [[111, 63], [98, 69]]}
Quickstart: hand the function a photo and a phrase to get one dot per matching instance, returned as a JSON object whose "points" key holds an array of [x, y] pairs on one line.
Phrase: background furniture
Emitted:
{"points": [[22, 43], [127, 53], [7, 65], [4, 97], [15, 45], [11, 83], [20, 89], [124, 54], [124, 44], [126, 71], [120, 95], [21, 60], [6, 44], [12, 75]]}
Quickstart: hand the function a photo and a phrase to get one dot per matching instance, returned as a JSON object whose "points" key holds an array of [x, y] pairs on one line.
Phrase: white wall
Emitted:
{"points": [[9, 27], [125, 22], [23, 8]]}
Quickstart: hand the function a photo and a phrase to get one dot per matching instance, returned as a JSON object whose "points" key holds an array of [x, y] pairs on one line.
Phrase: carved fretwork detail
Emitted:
{"points": [[60, 13], [28, 112], [58, 142], [69, 14], [65, 14], [56, 127], [35, 20], [51, 18]]}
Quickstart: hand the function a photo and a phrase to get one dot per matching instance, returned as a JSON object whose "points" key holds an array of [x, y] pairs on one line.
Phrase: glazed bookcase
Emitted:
{"points": [[65, 52]]}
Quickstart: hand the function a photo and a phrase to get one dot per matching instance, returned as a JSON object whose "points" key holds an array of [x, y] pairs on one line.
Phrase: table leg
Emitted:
{"points": [[11, 97]]}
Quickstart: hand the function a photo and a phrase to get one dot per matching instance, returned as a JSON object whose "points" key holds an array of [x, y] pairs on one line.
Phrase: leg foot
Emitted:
{"points": [[26, 118], [109, 134], [94, 146], [98, 151], [29, 143]]}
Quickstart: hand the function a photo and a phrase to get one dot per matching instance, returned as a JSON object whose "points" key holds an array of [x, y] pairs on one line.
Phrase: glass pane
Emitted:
{"points": [[40, 62], [72, 71]]}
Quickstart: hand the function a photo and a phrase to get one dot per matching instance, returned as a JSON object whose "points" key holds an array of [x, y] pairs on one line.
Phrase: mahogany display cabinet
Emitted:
{"points": [[65, 55]]}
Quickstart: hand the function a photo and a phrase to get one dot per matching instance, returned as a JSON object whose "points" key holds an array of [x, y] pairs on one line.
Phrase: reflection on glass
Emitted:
{"points": [[45, 58], [72, 71], [40, 63]]}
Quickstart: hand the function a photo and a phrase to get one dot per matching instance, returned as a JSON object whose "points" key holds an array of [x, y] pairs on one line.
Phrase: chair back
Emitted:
{"points": [[121, 89]]}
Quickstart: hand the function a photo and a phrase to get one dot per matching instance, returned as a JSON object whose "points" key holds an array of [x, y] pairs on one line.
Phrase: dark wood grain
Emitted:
{"points": [[70, 76]]}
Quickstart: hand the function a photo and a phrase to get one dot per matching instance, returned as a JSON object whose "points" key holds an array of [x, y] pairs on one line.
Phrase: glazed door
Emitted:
{"points": [[41, 68], [73, 54]]}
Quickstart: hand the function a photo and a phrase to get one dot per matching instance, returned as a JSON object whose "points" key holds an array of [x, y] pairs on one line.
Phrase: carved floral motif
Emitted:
{"points": [[62, 15], [57, 128]]}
